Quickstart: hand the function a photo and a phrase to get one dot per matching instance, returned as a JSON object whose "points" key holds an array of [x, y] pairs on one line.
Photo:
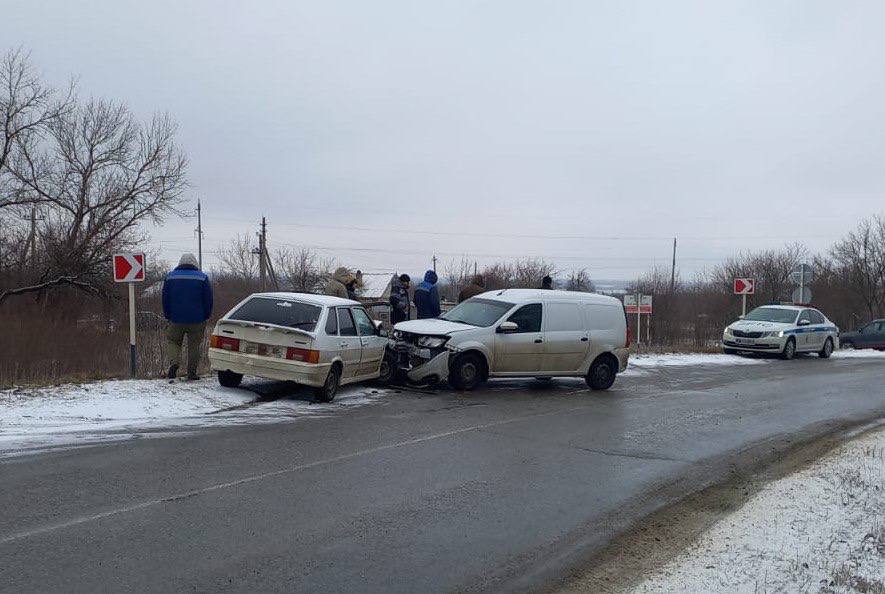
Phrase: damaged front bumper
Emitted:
{"points": [[420, 364]]}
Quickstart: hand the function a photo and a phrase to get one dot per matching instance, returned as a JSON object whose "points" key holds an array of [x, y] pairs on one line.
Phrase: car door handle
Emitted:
{"points": [[538, 341]]}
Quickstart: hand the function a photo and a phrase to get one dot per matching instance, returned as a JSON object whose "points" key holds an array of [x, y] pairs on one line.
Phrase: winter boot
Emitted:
{"points": [[173, 371]]}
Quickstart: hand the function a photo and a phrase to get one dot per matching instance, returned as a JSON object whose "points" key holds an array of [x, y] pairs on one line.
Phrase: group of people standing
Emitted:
{"points": [[426, 298]]}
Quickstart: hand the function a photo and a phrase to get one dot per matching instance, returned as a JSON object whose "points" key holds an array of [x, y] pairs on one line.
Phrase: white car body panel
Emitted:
{"points": [[743, 336], [261, 345], [575, 329]]}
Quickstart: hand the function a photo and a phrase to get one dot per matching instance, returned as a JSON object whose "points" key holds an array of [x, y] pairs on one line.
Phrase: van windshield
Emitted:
{"points": [[478, 312], [291, 314], [772, 314]]}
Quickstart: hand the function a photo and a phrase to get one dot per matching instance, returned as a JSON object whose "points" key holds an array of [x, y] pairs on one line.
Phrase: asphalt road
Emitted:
{"points": [[507, 488]]}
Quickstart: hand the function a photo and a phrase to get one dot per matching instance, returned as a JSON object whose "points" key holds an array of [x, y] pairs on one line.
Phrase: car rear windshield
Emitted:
{"points": [[772, 314], [478, 312], [280, 312]]}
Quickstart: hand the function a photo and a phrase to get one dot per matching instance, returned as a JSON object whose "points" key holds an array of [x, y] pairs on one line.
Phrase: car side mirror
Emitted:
{"points": [[804, 322], [379, 328], [507, 328], [741, 317]]}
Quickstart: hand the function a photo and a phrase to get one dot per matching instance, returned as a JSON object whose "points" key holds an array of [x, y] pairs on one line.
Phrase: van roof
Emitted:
{"points": [[327, 300], [520, 295]]}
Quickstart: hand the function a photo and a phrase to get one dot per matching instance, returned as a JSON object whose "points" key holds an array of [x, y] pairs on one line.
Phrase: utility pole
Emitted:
{"points": [[673, 270], [199, 235], [434, 262], [474, 269], [262, 254], [32, 237]]}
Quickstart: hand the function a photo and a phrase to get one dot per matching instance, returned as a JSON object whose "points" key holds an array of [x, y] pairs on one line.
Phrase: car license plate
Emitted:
{"points": [[744, 340]]}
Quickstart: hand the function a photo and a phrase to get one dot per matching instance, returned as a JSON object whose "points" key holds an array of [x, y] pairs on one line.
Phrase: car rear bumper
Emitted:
{"points": [[308, 374]]}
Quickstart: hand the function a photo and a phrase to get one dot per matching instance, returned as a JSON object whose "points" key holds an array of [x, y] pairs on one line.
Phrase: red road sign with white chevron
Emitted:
{"points": [[744, 286], [128, 268]]}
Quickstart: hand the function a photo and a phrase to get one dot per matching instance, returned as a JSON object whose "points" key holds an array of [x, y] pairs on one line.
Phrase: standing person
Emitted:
{"points": [[476, 287], [187, 304], [337, 285], [400, 307], [547, 282], [427, 297], [354, 285]]}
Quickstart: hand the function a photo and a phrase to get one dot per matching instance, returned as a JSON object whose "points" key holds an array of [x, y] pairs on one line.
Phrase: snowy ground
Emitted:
{"points": [[78, 414], [36, 418], [819, 530]]}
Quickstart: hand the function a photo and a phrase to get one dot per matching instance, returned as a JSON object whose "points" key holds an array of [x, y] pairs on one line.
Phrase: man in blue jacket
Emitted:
{"points": [[427, 297], [187, 304]]}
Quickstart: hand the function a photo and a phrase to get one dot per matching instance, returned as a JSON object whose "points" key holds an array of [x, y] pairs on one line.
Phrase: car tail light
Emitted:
{"points": [[224, 342], [306, 355]]}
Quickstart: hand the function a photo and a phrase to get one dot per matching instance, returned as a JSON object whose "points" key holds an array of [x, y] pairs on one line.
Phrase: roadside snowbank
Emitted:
{"points": [[35, 418], [691, 359], [819, 530]]}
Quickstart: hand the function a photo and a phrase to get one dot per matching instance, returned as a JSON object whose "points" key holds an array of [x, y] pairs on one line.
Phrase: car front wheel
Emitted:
{"points": [[789, 350], [467, 372]]}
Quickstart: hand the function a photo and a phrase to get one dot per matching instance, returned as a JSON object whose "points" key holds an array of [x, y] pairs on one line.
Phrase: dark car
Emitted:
{"points": [[871, 336]]}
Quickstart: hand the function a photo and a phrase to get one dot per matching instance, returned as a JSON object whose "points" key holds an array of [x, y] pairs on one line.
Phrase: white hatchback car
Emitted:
{"points": [[517, 333], [784, 330], [315, 340]]}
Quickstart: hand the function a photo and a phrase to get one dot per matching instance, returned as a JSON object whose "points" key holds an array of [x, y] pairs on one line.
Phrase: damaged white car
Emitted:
{"points": [[516, 333]]}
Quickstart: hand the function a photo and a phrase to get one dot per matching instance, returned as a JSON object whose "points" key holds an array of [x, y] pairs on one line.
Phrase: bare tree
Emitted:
{"points": [[238, 258], [302, 270], [27, 108], [770, 268], [859, 263], [579, 280], [97, 176]]}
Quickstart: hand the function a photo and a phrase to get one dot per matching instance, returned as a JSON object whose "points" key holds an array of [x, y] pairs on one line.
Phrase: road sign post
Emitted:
{"points": [[802, 275], [744, 287], [129, 269], [639, 304]]}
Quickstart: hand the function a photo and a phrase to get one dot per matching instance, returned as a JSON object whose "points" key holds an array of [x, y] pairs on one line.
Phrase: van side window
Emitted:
{"points": [[331, 323], [563, 317], [527, 317], [345, 322]]}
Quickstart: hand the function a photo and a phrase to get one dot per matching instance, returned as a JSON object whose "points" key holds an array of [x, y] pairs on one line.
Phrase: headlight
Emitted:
{"points": [[432, 342], [397, 335], [728, 331]]}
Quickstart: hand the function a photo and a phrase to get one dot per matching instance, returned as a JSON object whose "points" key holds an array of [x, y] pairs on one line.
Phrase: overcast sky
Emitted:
{"points": [[384, 132]]}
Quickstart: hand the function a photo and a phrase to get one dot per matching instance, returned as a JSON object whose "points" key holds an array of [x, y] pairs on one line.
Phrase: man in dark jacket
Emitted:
{"points": [[473, 289], [547, 283], [427, 297], [187, 304], [399, 299]]}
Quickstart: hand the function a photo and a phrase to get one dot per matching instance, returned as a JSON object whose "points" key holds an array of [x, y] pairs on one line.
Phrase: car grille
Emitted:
{"points": [[742, 334]]}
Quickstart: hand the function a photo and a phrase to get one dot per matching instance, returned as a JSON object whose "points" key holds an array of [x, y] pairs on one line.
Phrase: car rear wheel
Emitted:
{"points": [[789, 350], [326, 392], [467, 372], [601, 375], [827, 350], [229, 379]]}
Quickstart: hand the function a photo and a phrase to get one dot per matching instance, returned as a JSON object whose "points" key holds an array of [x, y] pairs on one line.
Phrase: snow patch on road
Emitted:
{"points": [[643, 362], [859, 354], [36, 418], [819, 530]]}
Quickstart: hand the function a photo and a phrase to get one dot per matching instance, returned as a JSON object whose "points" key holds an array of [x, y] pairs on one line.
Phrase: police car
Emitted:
{"points": [[784, 330]]}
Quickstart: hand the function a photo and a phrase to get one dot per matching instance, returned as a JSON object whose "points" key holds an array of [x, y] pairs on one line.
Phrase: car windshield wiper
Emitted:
{"points": [[457, 321]]}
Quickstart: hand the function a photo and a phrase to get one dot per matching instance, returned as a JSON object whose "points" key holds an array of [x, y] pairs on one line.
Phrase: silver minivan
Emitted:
{"points": [[315, 340], [517, 333]]}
